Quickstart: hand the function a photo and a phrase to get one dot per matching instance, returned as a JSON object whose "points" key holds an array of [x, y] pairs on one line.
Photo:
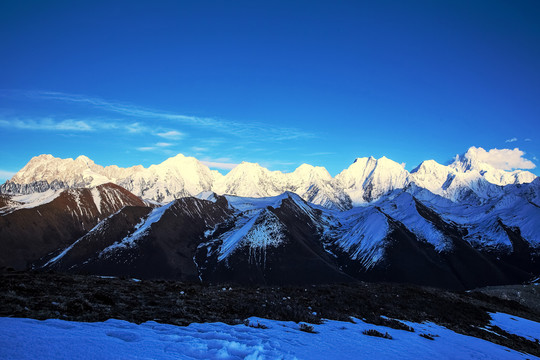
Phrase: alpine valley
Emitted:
{"points": [[459, 226]]}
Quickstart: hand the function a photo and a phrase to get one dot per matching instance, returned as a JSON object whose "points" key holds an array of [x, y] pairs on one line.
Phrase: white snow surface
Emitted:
{"points": [[362, 235], [33, 200], [232, 238], [261, 230], [253, 203], [256, 226], [482, 220], [115, 339], [517, 325], [97, 198], [401, 206], [207, 195]]}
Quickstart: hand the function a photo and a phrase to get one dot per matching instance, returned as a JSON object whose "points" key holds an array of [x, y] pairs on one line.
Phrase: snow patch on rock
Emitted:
{"points": [[140, 230]]}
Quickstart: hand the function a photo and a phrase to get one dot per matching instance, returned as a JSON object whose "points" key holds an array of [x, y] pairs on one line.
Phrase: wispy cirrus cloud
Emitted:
{"points": [[171, 134], [48, 124], [146, 148], [514, 139], [229, 127], [84, 126], [157, 146], [199, 149]]}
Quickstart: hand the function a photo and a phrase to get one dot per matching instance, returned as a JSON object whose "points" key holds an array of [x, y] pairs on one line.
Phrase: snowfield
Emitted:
{"points": [[262, 339], [517, 326]]}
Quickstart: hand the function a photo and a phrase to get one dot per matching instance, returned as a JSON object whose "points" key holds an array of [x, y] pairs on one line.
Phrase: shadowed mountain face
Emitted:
{"points": [[406, 236], [281, 246], [31, 230], [137, 242]]}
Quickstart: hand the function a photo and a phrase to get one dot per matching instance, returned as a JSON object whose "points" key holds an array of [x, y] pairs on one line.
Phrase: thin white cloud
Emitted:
{"points": [[247, 130], [535, 158], [5, 174], [527, 139], [199, 149], [159, 147], [514, 139], [171, 134], [219, 165], [47, 124], [146, 148], [136, 128], [73, 125], [505, 159]]}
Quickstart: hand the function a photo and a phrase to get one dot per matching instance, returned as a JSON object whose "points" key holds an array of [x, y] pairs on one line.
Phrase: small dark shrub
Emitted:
{"points": [[429, 336], [77, 306], [256, 326], [373, 332], [307, 328], [395, 324], [104, 298]]}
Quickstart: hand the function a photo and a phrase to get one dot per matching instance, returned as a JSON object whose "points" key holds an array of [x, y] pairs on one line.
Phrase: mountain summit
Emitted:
{"points": [[364, 181]]}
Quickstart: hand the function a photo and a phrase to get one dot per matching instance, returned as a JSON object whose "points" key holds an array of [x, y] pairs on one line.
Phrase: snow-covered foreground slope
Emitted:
{"points": [[517, 326], [115, 339], [367, 179]]}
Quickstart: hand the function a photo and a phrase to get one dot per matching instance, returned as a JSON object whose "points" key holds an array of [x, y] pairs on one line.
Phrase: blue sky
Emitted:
{"points": [[280, 83]]}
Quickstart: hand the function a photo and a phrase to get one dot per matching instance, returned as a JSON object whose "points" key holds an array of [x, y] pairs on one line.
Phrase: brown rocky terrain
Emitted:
{"points": [[94, 298]]}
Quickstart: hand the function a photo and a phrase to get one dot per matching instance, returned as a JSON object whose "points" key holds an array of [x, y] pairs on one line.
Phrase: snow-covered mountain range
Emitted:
{"points": [[286, 240], [366, 180], [458, 226]]}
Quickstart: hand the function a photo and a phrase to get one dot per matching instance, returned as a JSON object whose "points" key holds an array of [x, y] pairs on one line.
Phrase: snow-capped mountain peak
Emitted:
{"points": [[365, 180], [433, 176], [251, 180], [369, 178], [468, 161], [81, 172], [307, 171], [85, 160], [471, 163]]}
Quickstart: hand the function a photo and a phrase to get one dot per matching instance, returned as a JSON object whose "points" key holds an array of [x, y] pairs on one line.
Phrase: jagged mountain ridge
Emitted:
{"points": [[408, 234], [285, 240], [453, 226], [366, 180], [31, 229]]}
